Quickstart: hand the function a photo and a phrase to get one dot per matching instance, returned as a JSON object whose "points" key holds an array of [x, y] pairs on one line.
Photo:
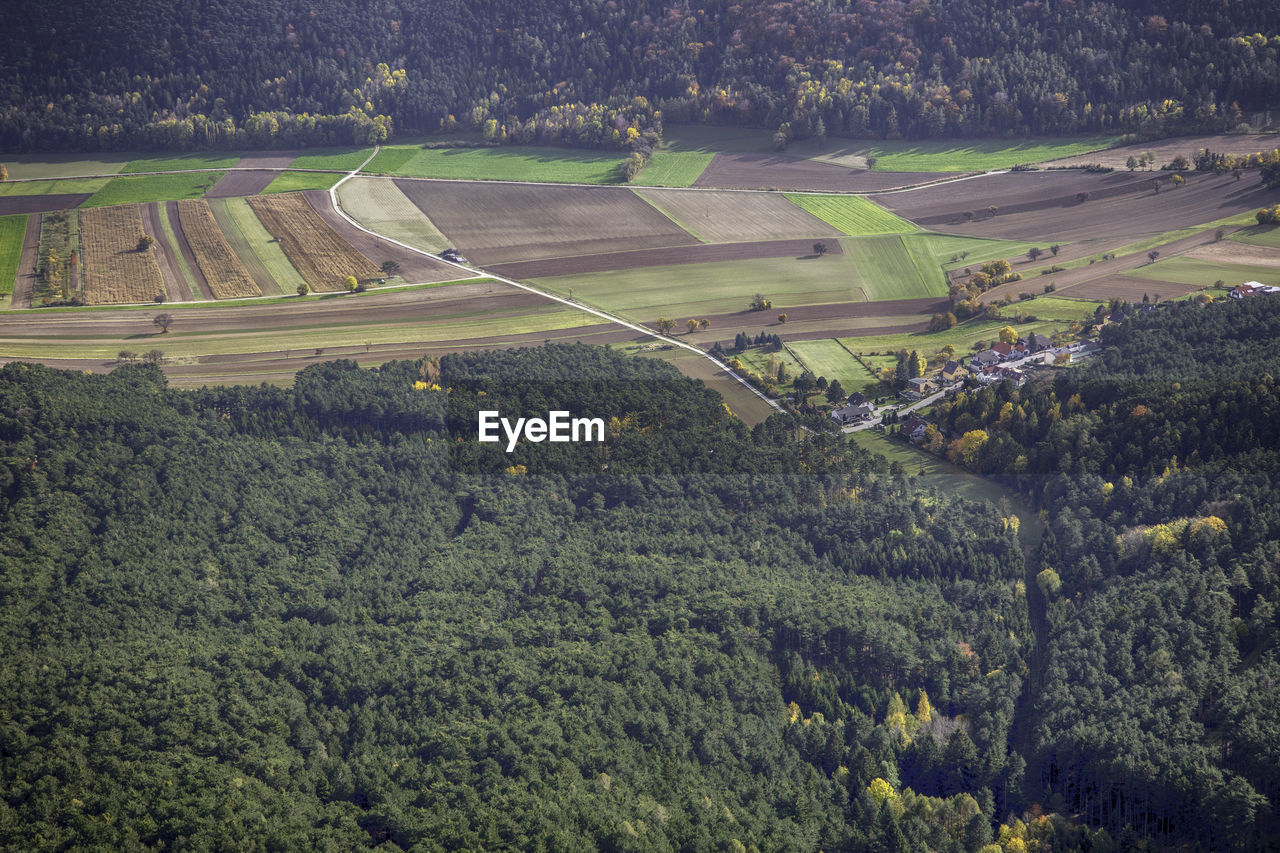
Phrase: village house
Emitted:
{"points": [[1251, 288], [913, 428], [954, 371], [920, 387], [986, 358], [852, 413]]}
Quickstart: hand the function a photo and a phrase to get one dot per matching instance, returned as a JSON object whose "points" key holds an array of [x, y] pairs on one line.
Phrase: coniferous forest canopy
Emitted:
{"points": [[205, 74]]}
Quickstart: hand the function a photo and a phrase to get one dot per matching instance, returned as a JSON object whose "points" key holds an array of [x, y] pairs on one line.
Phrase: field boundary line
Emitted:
{"points": [[333, 199]]}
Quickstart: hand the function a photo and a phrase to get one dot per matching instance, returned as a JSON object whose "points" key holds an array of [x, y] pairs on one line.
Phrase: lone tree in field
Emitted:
{"points": [[1152, 255], [1055, 248], [390, 267], [304, 289], [819, 248], [126, 355], [1034, 252], [145, 242], [693, 325], [666, 325], [704, 323], [759, 303], [351, 283], [163, 320], [782, 318], [4, 173]]}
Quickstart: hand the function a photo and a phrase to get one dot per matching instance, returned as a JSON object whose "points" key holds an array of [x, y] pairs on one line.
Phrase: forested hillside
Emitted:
{"points": [[1158, 467], [108, 74], [326, 618]]}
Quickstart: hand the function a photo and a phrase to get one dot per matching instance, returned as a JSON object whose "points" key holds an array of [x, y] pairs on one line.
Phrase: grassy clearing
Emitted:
{"points": [[181, 163], [967, 251], [978, 155], [961, 337], [23, 166], [828, 358], [509, 163], [154, 188], [697, 290], [288, 182], [379, 205], [391, 159], [766, 364], [893, 267], [1203, 273], [167, 227], [12, 231], [854, 215], [673, 168], [53, 187], [1060, 308], [238, 221], [340, 159], [1259, 235]]}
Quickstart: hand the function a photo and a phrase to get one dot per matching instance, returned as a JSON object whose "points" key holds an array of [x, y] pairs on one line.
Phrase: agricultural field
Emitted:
{"points": [[24, 166], [894, 267], [508, 163], [65, 186], [319, 254], [1058, 308], [379, 205], [968, 252], [254, 245], [977, 155], [339, 160], [1259, 235], [1167, 149], [181, 163], [853, 215], [1202, 273], [12, 231], [146, 188], [766, 364], [702, 253], [181, 283], [672, 169], [415, 267], [792, 172], [114, 270], [287, 182], [59, 258], [225, 274], [242, 183], [723, 217], [503, 223], [962, 337], [828, 358]]}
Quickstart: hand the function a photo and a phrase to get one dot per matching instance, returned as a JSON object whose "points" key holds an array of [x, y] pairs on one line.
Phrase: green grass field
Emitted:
{"points": [[854, 215], [673, 169], [167, 227], [978, 155], [23, 166], [288, 182], [828, 358], [1061, 309], [1259, 235], [339, 159], [153, 188], [1203, 273], [244, 223], [508, 163], [716, 140], [53, 187], [961, 337], [181, 163], [761, 362], [975, 250], [391, 159], [12, 230], [894, 267]]}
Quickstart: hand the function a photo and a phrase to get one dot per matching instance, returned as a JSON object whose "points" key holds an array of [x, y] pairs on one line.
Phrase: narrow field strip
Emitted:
{"points": [[114, 269], [853, 215], [722, 217], [144, 188], [175, 245], [287, 182], [13, 231], [323, 258], [255, 246], [223, 271]]}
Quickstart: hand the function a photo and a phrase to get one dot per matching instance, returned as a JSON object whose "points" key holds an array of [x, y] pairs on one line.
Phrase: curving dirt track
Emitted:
{"points": [[415, 268], [702, 254], [786, 172]]}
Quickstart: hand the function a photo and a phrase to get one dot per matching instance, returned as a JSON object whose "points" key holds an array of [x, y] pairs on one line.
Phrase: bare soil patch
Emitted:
{"points": [[40, 203], [268, 159], [661, 257], [786, 172], [322, 257], [207, 250], [735, 217], [242, 184], [175, 284], [1166, 149], [1238, 253], [502, 223], [25, 280], [114, 270], [1127, 287], [415, 268]]}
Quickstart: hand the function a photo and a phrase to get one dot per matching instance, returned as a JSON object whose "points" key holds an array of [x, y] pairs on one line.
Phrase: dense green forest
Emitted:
{"points": [[1158, 469], [327, 618], [228, 73]]}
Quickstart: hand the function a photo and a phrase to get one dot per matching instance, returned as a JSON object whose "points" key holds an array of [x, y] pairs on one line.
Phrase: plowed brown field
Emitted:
{"points": [[784, 172], [114, 270], [661, 258], [225, 274], [736, 217], [322, 257], [503, 223]]}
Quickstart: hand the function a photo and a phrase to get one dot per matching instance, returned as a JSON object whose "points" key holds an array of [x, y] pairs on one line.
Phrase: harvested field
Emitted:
{"points": [[736, 217], [254, 245], [1131, 288], [224, 273], [24, 283], [323, 258], [177, 288], [269, 159], [114, 270], [41, 203], [720, 253], [503, 223], [415, 268], [242, 183], [1166, 149], [1238, 253], [379, 205], [783, 172], [1118, 209]]}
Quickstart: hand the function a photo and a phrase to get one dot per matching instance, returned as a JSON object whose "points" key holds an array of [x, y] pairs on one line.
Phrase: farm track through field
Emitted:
{"points": [[415, 268], [175, 283], [183, 246], [26, 278], [701, 254], [240, 245]]}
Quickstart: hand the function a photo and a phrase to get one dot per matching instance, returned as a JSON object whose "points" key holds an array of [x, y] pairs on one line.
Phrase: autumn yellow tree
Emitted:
{"points": [[1009, 335], [964, 450]]}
